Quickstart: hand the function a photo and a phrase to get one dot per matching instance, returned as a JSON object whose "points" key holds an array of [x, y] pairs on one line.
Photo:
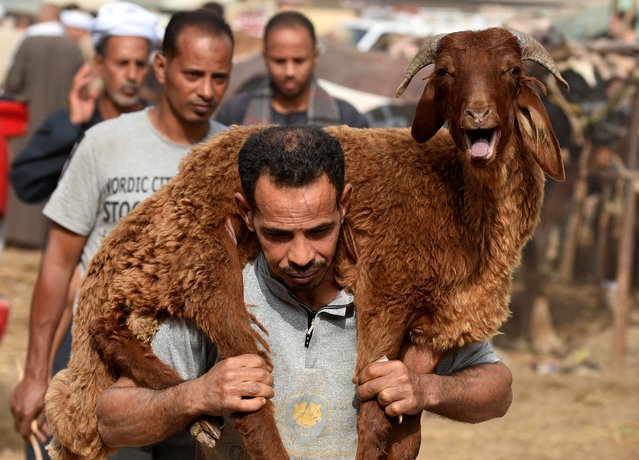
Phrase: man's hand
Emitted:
{"points": [[397, 388], [237, 384], [81, 97], [27, 404], [400, 387]]}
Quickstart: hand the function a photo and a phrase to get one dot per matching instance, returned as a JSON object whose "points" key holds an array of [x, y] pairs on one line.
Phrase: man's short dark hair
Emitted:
{"points": [[216, 7], [294, 156], [290, 19], [203, 19]]}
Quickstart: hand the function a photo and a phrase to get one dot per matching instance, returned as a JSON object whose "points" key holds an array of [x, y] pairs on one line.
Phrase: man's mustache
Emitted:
{"points": [[296, 270]]}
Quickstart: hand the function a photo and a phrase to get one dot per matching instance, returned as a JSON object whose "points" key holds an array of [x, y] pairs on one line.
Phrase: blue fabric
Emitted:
{"points": [[35, 172]]}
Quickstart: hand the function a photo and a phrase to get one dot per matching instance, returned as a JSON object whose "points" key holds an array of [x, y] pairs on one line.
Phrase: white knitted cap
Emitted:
{"points": [[125, 19], [76, 18]]}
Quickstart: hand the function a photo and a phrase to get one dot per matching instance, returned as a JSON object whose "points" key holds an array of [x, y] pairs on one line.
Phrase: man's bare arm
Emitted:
{"points": [[239, 384], [472, 395], [59, 261]]}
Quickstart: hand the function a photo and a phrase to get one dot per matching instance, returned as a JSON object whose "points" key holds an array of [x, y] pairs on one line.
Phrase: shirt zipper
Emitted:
{"points": [[311, 315], [311, 324]]}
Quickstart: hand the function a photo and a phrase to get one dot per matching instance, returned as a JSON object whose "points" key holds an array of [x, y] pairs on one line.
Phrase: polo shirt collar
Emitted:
{"points": [[341, 306]]}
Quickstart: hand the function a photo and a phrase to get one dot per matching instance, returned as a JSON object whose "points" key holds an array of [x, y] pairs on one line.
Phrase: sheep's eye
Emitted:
{"points": [[441, 72], [515, 70]]}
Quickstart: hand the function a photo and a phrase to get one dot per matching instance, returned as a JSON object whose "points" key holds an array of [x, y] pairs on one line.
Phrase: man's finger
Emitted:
{"points": [[42, 426], [251, 404], [371, 388], [395, 410], [21, 427], [35, 429], [370, 372], [251, 390], [247, 360]]}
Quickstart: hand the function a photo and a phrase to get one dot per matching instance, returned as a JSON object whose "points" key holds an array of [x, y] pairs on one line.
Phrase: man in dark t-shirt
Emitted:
{"points": [[289, 95]]}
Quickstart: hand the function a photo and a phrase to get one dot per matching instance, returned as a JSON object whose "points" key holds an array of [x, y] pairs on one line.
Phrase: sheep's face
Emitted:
{"points": [[476, 83], [479, 88]]}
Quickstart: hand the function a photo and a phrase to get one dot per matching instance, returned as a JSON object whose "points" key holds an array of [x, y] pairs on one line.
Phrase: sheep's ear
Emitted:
{"points": [[537, 133], [429, 116]]}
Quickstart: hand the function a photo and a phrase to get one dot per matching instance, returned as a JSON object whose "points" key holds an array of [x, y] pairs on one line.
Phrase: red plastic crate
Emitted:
{"points": [[14, 120], [4, 316]]}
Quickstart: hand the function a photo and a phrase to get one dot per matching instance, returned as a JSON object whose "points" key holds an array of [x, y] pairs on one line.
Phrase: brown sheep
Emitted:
{"points": [[433, 234]]}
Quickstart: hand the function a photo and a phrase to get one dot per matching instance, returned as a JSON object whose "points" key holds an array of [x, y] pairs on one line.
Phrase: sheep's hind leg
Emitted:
{"points": [[122, 349], [406, 438]]}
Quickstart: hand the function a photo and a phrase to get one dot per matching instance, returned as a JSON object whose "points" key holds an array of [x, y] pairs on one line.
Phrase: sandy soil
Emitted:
{"points": [[568, 408]]}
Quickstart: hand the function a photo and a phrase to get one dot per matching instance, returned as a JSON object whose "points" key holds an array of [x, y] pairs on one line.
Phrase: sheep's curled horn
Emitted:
{"points": [[531, 50]]}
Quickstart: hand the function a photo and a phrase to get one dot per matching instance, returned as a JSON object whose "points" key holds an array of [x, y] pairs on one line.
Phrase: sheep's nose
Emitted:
{"points": [[478, 116]]}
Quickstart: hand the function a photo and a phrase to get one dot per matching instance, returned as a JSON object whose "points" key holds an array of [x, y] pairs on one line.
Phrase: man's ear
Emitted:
{"points": [[345, 200], [159, 67], [98, 62], [245, 210]]}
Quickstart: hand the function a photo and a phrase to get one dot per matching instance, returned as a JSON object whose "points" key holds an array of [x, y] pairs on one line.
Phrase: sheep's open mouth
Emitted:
{"points": [[481, 143]]}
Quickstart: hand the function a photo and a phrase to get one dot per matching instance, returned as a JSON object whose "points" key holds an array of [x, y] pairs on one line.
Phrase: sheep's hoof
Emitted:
{"points": [[207, 430]]}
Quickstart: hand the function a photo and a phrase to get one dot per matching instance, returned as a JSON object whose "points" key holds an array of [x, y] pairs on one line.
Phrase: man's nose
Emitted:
{"points": [[205, 90], [290, 69], [301, 254], [132, 71]]}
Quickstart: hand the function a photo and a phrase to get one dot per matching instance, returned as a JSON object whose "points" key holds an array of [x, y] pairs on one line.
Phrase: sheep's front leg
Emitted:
{"points": [[122, 349], [381, 324], [226, 320]]}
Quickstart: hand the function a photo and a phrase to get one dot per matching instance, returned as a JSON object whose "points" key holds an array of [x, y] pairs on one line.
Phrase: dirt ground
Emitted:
{"points": [[572, 407]]}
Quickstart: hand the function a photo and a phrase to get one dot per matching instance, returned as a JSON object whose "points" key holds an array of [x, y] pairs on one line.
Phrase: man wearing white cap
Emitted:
{"points": [[123, 35], [77, 26], [117, 164]]}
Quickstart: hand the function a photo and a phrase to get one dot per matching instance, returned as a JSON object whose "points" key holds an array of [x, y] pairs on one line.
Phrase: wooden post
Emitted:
{"points": [[626, 247], [569, 250]]}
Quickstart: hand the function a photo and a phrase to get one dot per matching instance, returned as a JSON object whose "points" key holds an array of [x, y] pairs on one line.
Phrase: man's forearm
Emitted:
{"points": [[131, 416], [47, 308], [472, 395], [58, 264]]}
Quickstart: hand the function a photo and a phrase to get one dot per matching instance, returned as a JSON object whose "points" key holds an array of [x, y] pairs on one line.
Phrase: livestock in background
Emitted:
{"points": [[433, 234], [574, 240]]}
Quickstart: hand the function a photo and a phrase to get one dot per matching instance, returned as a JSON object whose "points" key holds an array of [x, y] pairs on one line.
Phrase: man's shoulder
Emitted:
{"points": [[215, 127], [350, 116], [49, 41], [232, 111], [125, 122]]}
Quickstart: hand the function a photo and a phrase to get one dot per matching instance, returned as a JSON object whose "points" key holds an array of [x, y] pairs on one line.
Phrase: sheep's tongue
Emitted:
{"points": [[480, 148]]}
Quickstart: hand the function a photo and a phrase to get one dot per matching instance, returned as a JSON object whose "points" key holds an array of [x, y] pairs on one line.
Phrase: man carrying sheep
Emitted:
{"points": [[295, 200]]}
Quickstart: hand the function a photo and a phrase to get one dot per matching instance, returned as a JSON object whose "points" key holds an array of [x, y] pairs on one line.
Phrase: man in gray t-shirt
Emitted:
{"points": [[295, 200], [119, 163]]}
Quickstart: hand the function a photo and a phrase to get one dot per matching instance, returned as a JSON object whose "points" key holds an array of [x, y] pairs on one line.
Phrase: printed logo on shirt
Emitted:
{"points": [[306, 416], [122, 194]]}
